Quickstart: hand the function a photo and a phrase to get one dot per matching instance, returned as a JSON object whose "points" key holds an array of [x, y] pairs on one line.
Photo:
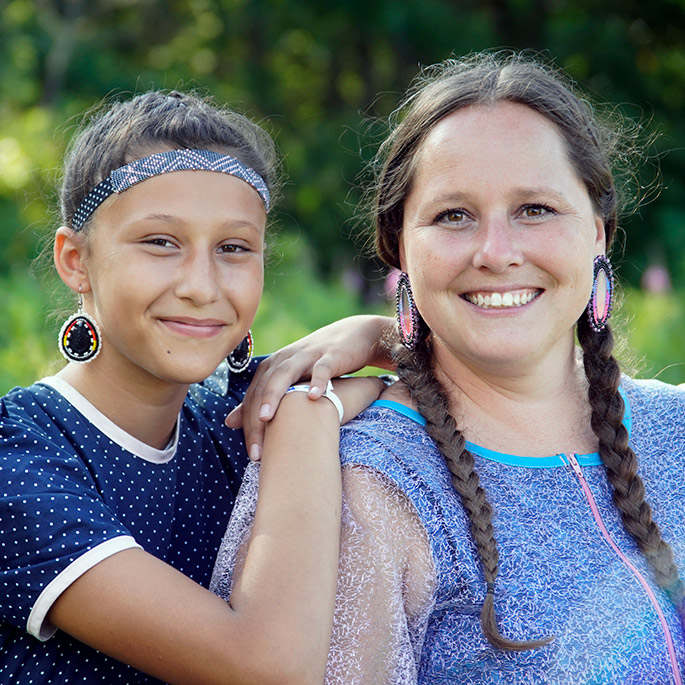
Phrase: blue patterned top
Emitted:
{"points": [[558, 574], [75, 489]]}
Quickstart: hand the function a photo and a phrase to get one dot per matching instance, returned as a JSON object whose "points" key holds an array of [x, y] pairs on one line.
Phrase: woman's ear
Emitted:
{"points": [[601, 236], [403, 261], [69, 255]]}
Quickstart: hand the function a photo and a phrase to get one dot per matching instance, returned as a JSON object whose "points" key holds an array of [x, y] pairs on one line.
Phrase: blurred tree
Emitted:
{"points": [[322, 76]]}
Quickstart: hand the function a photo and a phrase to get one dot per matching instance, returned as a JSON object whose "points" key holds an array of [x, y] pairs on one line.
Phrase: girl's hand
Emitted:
{"points": [[341, 347]]}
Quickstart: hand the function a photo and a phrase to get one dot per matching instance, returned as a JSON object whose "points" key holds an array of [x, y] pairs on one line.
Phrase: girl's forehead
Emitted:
{"points": [[163, 163], [193, 199]]}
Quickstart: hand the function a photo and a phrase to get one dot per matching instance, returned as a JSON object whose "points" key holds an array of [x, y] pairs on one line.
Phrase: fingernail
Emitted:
{"points": [[265, 411], [255, 452], [315, 390]]}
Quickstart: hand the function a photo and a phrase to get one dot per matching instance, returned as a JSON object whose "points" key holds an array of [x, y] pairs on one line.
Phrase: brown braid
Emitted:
{"points": [[607, 405], [415, 370]]}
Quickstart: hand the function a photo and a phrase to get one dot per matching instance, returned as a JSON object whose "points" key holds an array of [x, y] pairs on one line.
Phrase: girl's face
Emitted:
{"points": [[175, 273], [498, 239]]}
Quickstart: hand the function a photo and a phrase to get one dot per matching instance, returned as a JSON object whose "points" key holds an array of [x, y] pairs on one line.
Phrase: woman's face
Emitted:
{"points": [[175, 269], [498, 239]]}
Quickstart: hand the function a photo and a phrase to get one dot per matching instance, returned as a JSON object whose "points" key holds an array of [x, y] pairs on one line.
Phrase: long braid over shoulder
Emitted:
{"points": [[416, 372], [607, 405], [600, 149]]}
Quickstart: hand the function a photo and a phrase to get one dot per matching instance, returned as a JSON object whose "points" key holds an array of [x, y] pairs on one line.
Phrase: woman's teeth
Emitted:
{"points": [[515, 298]]}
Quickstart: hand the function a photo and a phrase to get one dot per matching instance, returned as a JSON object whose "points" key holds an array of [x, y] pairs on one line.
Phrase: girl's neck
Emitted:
{"points": [[145, 409]]}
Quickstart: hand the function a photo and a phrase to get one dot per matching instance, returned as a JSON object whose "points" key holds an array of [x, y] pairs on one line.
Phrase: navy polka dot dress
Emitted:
{"points": [[75, 488]]}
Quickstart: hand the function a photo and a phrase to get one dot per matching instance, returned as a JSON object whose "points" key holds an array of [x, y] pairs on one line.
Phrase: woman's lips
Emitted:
{"points": [[507, 299]]}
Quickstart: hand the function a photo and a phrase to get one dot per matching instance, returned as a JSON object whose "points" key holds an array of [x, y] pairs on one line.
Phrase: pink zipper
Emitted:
{"points": [[573, 461]]}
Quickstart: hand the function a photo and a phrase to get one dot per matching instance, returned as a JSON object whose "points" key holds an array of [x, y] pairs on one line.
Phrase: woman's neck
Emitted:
{"points": [[145, 409], [535, 411]]}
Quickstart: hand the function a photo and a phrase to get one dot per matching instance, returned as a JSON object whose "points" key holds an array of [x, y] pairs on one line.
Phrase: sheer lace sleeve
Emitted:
{"points": [[231, 555], [386, 578], [385, 585]]}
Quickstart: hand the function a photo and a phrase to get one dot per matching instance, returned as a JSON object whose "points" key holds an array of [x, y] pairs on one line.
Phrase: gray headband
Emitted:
{"points": [[162, 163]]}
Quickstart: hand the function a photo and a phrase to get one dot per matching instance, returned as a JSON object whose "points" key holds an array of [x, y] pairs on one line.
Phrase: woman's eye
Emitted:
{"points": [[451, 216], [231, 248], [536, 211]]}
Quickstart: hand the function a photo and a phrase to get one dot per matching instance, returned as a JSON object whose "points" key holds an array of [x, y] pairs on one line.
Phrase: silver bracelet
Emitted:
{"points": [[329, 393]]}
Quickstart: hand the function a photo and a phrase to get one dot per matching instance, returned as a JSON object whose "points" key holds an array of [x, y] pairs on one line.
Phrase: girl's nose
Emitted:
{"points": [[198, 280]]}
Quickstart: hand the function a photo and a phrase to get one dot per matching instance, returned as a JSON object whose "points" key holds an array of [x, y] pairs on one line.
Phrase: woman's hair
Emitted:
{"points": [[592, 148], [157, 121]]}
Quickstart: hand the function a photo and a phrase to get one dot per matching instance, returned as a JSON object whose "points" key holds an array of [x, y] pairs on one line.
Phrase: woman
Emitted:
{"points": [[514, 507], [117, 475]]}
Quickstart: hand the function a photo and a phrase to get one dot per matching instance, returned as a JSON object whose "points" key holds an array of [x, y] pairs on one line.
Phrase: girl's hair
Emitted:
{"points": [[155, 121], [593, 149]]}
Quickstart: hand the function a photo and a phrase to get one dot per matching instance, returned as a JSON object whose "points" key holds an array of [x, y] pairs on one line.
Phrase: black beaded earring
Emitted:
{"points": [[79, 339], [240, 357]]}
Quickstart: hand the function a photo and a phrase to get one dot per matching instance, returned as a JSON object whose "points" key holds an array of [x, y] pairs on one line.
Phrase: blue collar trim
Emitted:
{"points": [[592, 459]]}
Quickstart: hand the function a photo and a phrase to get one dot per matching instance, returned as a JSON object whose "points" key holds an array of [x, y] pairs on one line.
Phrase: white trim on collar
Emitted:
{"points": [[109, 428]]}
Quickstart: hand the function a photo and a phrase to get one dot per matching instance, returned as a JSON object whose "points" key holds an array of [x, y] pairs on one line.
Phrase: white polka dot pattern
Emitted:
{"points": [[65, 488]]}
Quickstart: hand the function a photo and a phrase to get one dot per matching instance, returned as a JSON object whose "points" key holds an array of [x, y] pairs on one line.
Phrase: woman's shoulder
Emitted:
{"points": [[385, 428], [390, 438], [656, 420], [661, 403]]}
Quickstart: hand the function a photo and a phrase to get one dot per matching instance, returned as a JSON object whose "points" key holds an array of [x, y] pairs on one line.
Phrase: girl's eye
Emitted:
{"points": [[159, 242]]}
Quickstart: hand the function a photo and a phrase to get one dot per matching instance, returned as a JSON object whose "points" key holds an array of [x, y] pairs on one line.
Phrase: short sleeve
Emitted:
{"points": [[55, 525], [233, 546], [386, 578]]}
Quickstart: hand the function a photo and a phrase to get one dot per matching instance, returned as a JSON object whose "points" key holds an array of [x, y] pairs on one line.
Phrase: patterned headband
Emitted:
{"points": [[162, 163]]}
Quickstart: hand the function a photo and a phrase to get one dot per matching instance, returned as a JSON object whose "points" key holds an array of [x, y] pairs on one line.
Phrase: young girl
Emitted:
{"points": [[117, 475]]}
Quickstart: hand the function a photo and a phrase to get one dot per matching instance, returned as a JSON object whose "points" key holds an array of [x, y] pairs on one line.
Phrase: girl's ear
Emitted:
{"points": [[69, 253]]}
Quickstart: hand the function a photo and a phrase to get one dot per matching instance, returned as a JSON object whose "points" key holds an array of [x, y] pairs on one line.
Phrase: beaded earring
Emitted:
{"points": [[409, 320], [602, 298], [79, 338], [240, 357]]}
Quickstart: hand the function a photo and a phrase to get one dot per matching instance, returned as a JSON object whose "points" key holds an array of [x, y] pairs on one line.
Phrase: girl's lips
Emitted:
{"points": [[507, 299], [195, 328]]}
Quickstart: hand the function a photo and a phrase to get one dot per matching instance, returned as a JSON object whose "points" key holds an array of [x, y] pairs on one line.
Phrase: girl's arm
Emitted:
{"points": [[277, 626], [342, 347]]}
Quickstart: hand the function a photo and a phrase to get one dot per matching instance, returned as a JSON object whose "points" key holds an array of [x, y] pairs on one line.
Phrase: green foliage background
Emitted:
{"points": [[320, 76]]}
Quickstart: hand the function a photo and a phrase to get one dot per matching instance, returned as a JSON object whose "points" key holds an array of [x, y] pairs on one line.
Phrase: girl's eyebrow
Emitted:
{"points": [[180, 221], [158, 216]]}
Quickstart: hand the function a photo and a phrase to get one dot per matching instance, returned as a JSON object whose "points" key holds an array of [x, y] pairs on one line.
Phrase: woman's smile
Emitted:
{"points": [[507, 299]]}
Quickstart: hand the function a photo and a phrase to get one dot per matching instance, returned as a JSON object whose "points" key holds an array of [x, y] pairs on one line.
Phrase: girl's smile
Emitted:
{"points": [[195, 328], [175, 272]]}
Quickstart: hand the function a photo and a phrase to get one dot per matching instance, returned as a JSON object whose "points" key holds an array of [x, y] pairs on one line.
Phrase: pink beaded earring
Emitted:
{"points": [[602, 299], [409, 320]]}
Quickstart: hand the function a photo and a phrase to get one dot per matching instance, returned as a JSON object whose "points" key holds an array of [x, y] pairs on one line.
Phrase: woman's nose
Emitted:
{"points": [[497, 245]]}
